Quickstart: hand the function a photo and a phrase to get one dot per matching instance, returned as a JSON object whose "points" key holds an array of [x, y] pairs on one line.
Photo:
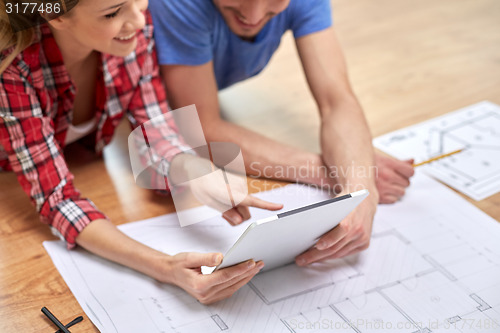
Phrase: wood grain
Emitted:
{"points": [[408, 61]]}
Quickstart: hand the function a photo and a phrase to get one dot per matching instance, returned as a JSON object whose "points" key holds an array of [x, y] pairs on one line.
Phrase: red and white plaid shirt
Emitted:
{"points": [[36, 107]]}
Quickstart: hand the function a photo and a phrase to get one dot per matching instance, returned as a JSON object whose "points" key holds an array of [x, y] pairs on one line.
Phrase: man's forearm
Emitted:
{"points": [[267, 158], [346, 145], [345, 137], [264, 157]]}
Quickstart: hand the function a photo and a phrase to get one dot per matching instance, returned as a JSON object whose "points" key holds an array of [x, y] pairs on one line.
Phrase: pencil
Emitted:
{"points": [[437, 158]]}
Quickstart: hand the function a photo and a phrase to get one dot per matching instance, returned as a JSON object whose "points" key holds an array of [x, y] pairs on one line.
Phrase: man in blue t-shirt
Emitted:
{"points": [[208, 45]]}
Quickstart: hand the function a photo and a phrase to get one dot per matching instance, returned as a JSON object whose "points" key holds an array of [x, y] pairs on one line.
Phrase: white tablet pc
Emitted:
{"points": [[279, 239]]}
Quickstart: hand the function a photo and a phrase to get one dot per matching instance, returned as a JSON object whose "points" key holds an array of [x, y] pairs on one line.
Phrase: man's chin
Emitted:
{"points": [[249, 38], [246, 34]]}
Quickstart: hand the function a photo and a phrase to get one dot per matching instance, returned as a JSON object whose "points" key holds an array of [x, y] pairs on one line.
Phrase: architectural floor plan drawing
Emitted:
{"points": [[476, 129], [433, 265]]}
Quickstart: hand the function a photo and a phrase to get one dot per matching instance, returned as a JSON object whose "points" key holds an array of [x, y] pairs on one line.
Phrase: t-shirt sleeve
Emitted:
{"points": [[310, 16], [182, 31]]}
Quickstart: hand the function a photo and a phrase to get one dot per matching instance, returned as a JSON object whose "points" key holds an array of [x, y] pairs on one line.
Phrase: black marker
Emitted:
{"points": [[71, 323], [53, 319]]}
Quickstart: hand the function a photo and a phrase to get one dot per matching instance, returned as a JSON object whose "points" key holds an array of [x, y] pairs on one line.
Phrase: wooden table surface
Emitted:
{"points": [[408, 61]]}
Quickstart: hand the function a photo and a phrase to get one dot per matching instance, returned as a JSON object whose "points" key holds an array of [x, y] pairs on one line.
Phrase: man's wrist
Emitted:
{"points": [[354, 185], [374, 195], [317, 172]]}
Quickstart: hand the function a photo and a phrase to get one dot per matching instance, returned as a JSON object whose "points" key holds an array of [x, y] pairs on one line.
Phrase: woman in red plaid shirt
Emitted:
{"points": [[83, 71]]}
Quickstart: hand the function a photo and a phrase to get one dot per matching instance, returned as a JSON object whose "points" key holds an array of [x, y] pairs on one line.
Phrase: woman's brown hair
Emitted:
{"points": [[26, 25]]}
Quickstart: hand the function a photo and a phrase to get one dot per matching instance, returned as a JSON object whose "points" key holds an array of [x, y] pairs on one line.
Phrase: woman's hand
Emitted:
{"points": [[222, 190], [184, 270]]}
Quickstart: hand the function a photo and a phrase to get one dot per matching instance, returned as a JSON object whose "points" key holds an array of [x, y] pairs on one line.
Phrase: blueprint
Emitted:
{"points": [[476, 129], [433, 265]]}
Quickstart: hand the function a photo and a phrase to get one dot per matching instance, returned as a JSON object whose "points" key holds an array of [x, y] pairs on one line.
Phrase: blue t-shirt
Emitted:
{"points": [[193, 32]]}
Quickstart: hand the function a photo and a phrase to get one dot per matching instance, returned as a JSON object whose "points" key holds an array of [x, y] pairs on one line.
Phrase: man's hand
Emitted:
{"points": [[185, 272], [350, 236], [393, 177]]}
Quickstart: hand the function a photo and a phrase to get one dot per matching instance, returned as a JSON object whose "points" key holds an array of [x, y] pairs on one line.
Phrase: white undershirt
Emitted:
{"points": [[76, 132]]}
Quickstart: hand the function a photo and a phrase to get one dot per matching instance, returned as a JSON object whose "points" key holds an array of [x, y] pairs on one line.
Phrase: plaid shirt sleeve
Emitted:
{"points": [[149, 104], [27, 136]]}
